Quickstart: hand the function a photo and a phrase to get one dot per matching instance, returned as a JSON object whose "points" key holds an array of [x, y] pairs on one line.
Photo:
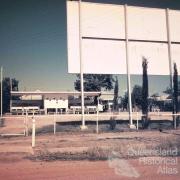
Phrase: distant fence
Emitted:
{"points": [[13, 126], [22, 125], [98, 117]]}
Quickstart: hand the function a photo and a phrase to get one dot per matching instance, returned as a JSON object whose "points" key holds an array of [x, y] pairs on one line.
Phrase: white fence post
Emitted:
{"points": [[174, 120], [137, 121], [97, 121], [54, 124], [33, 131], [27, 133]]}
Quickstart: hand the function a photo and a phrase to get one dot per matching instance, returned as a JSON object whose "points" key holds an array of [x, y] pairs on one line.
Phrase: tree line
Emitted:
{"points": [[94, 82], [8, 84], [139, 95]]}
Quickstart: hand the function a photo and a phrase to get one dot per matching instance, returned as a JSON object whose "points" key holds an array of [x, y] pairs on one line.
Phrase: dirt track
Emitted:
{"points": [[65, 170], [18, 161]]}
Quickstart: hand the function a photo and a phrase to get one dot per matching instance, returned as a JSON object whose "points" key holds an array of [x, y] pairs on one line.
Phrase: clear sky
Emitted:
{"points": [[33, 45]]}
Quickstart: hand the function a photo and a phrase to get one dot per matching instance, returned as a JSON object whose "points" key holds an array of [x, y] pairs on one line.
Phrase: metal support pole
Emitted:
{"points": [[127, 66], [81, 69], [1, 91], [170, 60], [169, 48], [33, 131]]}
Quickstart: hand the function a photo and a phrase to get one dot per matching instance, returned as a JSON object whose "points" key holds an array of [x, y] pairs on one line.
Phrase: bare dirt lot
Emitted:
{"points": [[83, 155], [80, 170], [75, 154]]}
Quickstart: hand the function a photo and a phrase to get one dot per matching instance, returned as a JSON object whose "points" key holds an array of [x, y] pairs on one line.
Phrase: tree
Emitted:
{"points": [[8, 84], [175, 94], [115, 100], [136, 96], [175, 88], [112, 121], [124, 101], [94, 82], [15, 84], [145, 94], [168, 90]]}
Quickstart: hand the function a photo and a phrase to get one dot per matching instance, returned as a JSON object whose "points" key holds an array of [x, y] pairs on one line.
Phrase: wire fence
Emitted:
{"points": [[13, 126], [22, 125], [25, 125]]}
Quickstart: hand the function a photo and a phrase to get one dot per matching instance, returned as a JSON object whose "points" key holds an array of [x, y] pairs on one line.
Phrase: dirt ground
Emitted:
{"points": [[80, 170], [74, 154], [81, 155]]}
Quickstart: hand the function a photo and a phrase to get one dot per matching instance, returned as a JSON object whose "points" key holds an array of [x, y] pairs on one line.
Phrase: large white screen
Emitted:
{"points": [[73, 37], [104, 57], [99, 56], [176, 55], [156, 54], [147, 23], [108, 56], [174, 18], [102, 20]]}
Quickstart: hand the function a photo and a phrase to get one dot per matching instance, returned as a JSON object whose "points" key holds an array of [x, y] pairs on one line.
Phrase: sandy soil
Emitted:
{"points": [[18, 161], [19, 169], [72, 154]]}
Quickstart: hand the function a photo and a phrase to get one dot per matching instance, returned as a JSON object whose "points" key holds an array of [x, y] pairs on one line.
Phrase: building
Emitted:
{"points": [[54, 102]]}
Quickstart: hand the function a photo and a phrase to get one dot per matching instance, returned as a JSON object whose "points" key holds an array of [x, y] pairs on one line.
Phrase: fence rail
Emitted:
{"points": [[27, 122], [13, 126]]}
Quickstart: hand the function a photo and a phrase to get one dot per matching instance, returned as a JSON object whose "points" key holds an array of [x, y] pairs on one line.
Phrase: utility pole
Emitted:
{"points": [[1, 91], [11, 84]]}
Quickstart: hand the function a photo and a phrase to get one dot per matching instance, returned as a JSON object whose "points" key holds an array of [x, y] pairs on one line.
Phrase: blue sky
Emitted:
{"points": [[33, 45]]}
